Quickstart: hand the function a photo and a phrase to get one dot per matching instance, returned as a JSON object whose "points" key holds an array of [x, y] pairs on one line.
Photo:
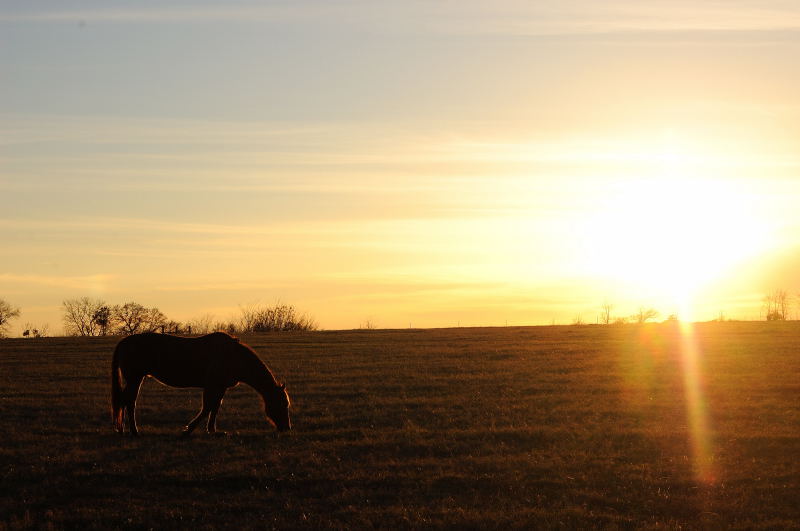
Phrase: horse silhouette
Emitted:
{"points": [[215, 362]]}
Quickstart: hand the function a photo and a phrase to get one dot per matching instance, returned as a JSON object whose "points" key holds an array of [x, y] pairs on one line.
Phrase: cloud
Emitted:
{"points": [[564, 19], [150, 226], [625, 19], [85, 282], [162, 13]]}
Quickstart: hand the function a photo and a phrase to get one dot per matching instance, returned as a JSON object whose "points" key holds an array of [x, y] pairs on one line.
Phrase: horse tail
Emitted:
{"points": [[117, 412]]}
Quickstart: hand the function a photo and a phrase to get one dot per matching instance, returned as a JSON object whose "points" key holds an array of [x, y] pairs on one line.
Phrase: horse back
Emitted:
{"points": [[180, 361]]}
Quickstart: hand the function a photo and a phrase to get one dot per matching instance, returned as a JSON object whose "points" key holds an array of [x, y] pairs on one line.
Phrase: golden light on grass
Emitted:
{"points": [[664, 372], [696, 407]]}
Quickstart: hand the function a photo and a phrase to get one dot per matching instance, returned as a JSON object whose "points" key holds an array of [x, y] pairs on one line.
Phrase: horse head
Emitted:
{"points": [[276, 407]]}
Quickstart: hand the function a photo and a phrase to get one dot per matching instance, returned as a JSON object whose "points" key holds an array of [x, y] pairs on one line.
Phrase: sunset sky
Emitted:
{"points": [[412, 163]]}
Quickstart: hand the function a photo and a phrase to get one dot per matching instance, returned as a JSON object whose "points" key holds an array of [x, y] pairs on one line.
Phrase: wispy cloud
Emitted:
{"points": [[154, 13], [151, 226], [625, 18], [85, 282], [475, 17], [205, 286]]}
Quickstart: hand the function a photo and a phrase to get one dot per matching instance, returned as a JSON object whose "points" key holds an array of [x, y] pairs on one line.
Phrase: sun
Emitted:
{"points": [[675, 223]]}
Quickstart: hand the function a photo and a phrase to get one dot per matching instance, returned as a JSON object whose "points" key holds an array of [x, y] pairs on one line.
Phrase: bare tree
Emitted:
{"points": [[367, 324], [776, 305], [644, 314], [155, 320], [79, 316], [129, 317], [7, 312], [605, 312], [133, 318]]}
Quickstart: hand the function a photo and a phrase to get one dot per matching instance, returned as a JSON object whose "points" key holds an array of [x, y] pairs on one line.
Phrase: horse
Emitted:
{"points": [[214, 362]]}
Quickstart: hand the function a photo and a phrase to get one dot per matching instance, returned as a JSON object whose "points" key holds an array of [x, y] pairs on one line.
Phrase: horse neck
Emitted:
{"points": [[259, 377]]}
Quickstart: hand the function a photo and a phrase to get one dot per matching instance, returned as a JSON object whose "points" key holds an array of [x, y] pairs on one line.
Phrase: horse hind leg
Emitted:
{"points": [[216, 401], [211, 400]]}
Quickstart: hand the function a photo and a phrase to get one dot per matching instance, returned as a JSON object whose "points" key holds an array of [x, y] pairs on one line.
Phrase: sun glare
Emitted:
{"points": [[674, 225]]}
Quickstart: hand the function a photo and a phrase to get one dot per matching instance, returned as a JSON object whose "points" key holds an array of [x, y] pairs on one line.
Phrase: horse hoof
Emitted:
{"points": [[218, 433]]}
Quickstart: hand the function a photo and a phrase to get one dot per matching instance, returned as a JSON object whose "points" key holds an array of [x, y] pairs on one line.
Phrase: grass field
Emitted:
{"points": [[543, 427]]}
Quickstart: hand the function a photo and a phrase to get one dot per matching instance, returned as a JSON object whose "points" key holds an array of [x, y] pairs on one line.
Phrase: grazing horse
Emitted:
{"points": [[214, 362]]}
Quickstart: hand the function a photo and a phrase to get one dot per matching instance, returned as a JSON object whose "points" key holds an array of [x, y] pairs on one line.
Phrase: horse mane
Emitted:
{"points": [[257, 366], [250, 355]]}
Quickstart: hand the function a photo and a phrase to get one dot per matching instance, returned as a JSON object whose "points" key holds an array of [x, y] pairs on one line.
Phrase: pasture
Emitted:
{"points": [[540, 427]]}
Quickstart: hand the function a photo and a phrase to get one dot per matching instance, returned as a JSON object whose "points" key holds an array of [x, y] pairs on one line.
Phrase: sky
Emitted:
{"points": [[408, 163]]}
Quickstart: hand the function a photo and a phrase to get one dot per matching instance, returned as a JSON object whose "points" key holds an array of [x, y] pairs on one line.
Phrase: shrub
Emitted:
{"points": [[276, 318]]}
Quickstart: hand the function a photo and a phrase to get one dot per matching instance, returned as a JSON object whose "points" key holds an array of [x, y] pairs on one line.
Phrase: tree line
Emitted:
{"points": [[88, 317], [775, 307], [93, 317]]}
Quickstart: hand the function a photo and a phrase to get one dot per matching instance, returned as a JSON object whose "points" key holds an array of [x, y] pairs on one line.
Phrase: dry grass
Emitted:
{"points": [[547, 427]]}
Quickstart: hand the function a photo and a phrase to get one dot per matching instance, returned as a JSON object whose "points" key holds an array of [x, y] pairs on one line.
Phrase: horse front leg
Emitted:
{"points": [[129, 396], [211, 400]]}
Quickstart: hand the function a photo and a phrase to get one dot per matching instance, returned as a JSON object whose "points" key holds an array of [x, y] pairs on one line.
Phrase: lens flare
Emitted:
{"points": [[696, 406]]}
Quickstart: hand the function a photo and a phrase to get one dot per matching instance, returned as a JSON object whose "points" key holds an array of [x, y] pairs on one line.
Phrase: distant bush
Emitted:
{"points": [[277, 318], [35, 331], [776, 305], [226, 326], [776, 316]]}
